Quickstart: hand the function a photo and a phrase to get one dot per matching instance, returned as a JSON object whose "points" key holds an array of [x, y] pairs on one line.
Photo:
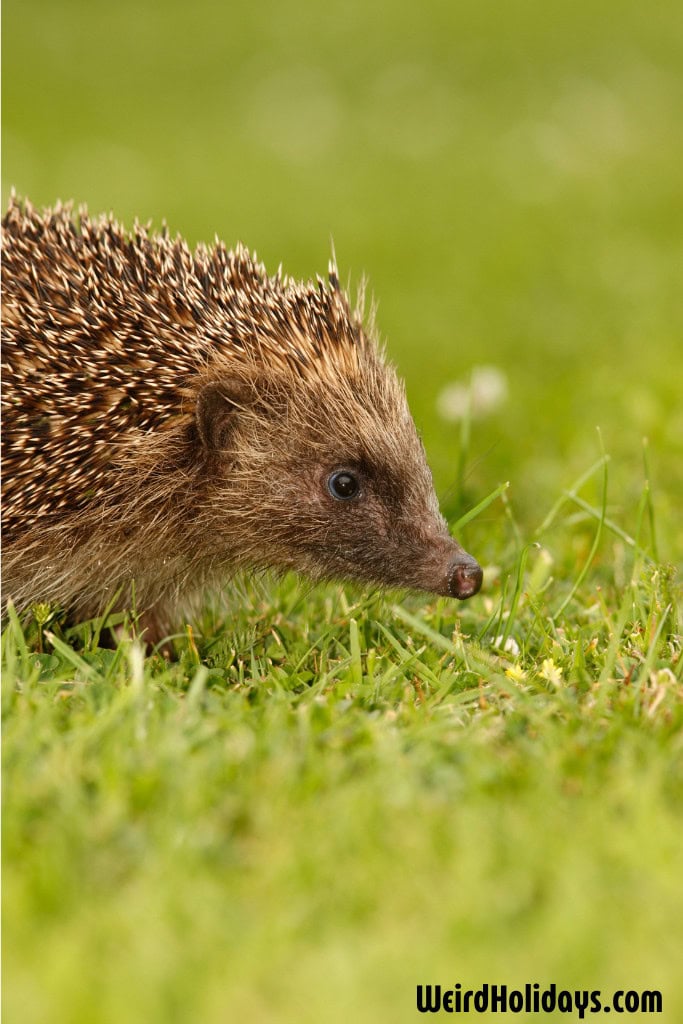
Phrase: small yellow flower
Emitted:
{"points": [[551, 672], [516, 673]]}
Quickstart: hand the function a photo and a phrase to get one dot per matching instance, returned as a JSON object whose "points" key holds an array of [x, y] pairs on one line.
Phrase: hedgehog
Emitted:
{"points": [[173, 417]]}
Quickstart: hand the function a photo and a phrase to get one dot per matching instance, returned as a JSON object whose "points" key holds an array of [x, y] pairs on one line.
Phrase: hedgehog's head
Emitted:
{"points": [[316, 465]]}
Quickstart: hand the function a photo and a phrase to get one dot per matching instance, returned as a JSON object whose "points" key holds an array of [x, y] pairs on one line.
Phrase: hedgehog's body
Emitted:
{"points": [[171, 418]]}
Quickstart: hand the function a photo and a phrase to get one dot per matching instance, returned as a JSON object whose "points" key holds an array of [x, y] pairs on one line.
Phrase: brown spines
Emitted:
{"points": [[105, 333]]}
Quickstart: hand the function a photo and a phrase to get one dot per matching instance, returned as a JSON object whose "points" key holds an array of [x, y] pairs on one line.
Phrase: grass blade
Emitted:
{"points": [[474, 512], [594, 547]]}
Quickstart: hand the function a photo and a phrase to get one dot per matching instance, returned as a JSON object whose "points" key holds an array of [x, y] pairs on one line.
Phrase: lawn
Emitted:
{"points": [[331, 796]]}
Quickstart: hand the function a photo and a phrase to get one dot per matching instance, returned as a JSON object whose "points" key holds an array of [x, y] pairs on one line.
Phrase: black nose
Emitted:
{"points": [[464, 577]]}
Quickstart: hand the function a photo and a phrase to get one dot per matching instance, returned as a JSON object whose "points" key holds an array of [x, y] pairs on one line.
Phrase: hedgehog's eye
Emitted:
{"points": [[343, 485]]}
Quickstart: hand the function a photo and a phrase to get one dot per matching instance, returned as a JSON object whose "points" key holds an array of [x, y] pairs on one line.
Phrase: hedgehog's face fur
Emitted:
{"points": [[336, 486]]}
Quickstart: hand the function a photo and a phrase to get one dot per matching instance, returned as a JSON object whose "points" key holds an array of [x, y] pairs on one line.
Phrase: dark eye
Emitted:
{"points": [[343, 485]]}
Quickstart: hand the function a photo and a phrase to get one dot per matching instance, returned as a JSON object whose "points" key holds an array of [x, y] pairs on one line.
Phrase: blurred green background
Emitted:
{"points": [[508, 177]]}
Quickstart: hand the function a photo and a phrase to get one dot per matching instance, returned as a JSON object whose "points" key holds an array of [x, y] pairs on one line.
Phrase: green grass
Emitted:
{"points": [[331, 797]]}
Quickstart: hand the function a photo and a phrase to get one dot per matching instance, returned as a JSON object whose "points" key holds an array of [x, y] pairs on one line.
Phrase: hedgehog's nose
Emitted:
{"points": [[464, 577]]}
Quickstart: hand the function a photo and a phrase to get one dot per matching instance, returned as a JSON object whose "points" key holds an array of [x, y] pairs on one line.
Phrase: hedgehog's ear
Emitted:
{"points": [[216, 415]]}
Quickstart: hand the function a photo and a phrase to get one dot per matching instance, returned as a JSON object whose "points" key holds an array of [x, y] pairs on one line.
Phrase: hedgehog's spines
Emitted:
{"points": [[104, 326]]}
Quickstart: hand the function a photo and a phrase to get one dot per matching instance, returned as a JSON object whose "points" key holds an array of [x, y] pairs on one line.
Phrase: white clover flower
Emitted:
{"points": [[484, 393], [510, 647]]}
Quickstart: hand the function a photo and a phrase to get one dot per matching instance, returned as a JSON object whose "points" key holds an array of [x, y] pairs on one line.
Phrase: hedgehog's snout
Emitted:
{"points": [[463, 577]]}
